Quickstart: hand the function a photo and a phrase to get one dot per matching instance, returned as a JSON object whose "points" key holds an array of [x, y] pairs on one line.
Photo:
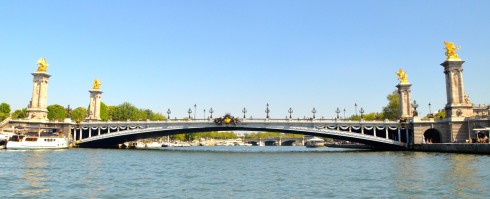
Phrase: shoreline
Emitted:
{"points": [[463, 148]]}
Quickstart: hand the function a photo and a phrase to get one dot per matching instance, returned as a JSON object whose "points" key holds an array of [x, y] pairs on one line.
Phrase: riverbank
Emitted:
{"points": [[453, 148]]}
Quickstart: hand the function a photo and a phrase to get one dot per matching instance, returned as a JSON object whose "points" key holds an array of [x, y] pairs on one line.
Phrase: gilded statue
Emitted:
{"points": [[97, 84], [402, 76], [451, 51], [43, 65]]}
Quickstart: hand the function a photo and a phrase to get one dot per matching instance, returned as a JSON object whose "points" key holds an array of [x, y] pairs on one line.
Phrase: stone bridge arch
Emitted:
{"points": [[111, 140]]}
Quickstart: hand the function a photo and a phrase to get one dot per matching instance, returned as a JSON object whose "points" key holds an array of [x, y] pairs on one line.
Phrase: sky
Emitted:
{"points": [[233, 54]]}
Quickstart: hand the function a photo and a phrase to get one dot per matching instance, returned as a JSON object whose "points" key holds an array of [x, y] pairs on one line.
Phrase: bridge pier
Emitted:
{"points": [[399, 134]]}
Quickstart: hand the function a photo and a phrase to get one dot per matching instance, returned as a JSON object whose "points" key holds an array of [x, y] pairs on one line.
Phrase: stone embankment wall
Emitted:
{"points": [[453, 148]]}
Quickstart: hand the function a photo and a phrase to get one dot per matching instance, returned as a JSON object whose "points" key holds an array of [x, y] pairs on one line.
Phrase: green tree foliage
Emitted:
{"points": [[392, 110], [79, 114], [104, 112], [111, 111], [56, 112], [127, 111], [158, 117], [4, 111], [441, 114], [19, 114]]}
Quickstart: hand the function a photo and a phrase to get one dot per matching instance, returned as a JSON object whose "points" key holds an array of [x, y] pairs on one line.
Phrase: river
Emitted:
{"points": [[241, 172]]}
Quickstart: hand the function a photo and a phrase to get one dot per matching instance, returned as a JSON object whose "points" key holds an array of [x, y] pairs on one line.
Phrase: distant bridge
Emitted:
{"points": [[379, 134]]}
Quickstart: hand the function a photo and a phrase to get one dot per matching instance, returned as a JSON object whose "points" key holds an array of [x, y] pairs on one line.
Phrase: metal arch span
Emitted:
{"points": [[112, 139]]}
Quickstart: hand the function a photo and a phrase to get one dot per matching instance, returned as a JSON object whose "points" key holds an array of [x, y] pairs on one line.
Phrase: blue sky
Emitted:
{"points": [[234, 54]]}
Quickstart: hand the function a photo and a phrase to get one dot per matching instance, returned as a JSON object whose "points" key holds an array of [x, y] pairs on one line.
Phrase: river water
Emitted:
{"points": [[241, 172]]}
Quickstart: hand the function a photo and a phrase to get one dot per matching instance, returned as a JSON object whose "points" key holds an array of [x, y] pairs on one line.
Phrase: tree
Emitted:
{"points": [[159, 117], [56, 112], [79, 114], [124, 112], [104, 112], [4, 108], [441, 114], [392, 110], [18, 114], [4, 111]]}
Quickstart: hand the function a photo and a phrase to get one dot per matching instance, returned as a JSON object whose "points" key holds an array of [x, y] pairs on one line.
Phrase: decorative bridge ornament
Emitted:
{"points": [[382, 134]]}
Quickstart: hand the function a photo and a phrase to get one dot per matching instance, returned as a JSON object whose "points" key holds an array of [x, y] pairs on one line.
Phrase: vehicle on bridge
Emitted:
{"points": [[44, 138]]}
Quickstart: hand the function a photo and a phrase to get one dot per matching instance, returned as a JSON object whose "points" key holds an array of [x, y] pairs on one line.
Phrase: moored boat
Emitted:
{"points": [[45, 138], [315, 143]]}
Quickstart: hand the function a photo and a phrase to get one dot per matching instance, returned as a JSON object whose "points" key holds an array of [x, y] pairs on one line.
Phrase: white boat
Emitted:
{"points": [[242, 144], [176, 144], [41, 140], [315, 143]]}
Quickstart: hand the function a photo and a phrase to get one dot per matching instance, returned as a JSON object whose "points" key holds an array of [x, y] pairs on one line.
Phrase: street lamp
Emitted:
{"points": [[267, 110], [189, 111], [337, 111], [344, 113], [313, 111], [211, 111], [244, 110], [415, 106], [204, 114], [168, 113], [361, 111], [195, 106], [430, 109], [290, 111], [355, 105]]}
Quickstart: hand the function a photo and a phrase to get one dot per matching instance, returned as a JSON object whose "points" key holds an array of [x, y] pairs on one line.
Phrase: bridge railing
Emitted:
{"points": [[244, 120]]}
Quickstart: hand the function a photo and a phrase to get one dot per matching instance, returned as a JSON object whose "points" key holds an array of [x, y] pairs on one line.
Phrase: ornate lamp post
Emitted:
{"points": [[195, 106], [211, 111], [204, 114], [314, 112], [355, 105], [290, 110], [361, 111], [189, 111], [244, 110], [267, 110], [344, 113], [168, 114], [415, 106], [337, 111], [430, 109]]}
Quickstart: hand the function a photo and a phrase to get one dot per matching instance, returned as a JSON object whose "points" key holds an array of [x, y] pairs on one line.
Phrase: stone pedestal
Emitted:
{"points": [[405, 100], [94, 106], [37, 110], [458, 105]]}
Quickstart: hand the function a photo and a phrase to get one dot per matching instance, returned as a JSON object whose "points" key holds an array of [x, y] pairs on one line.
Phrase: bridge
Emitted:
{"points": [[379, 134]]}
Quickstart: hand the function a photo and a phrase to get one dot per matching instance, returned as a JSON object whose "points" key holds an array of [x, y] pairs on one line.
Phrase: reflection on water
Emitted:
{"points": [[462, 175], [34, 166], [241, 172]]}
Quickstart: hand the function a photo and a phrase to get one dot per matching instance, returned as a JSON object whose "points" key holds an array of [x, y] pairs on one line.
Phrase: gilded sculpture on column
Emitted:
{"points": [[43, 65], [451, 51], [402, 76], [97, 84]]}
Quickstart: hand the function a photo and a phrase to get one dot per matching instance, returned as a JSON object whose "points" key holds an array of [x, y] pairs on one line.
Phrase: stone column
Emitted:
{"points": [[37, 110], [405, 99], [458, 105], [94, 106]]}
